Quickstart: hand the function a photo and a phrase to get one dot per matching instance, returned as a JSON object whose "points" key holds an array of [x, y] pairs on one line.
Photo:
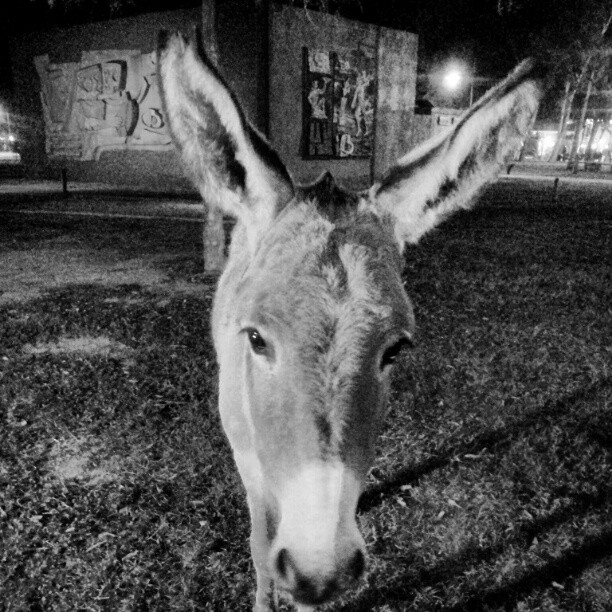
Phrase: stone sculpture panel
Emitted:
{"points": [[109, 101]]}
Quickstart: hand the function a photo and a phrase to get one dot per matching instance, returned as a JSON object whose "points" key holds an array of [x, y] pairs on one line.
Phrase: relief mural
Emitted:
{"points": [[109, 101]]}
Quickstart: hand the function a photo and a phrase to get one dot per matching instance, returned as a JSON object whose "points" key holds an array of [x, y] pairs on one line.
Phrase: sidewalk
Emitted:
{"points": [[47, 187], [103, 199], [98, 199], [534, 169]]}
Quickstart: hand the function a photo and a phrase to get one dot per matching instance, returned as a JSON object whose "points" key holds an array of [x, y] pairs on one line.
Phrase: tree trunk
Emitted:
{"points": [[573, 160], [569, 98], [566, 107], [213, 233]]}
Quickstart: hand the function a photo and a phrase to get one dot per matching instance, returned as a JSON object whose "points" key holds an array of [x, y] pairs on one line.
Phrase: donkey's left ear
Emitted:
{"points": [[444, 174], [232, 165]]}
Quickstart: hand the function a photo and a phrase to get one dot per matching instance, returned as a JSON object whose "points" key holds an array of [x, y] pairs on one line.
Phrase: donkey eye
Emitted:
{"points": [[258, 344], [392, 353]]}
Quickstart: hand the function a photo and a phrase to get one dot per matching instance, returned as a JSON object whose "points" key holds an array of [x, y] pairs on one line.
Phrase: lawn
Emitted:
{"points": [[492, 489]]}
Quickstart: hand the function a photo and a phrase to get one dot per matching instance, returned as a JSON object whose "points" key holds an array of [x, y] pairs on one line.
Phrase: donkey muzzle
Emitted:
{"points": [[314, 587], [318, 551]]}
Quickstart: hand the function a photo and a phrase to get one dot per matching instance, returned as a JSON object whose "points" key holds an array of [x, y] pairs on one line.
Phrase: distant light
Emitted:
{"points": [[603, 143], [546, 144], [548, 141], [12, 138], [452, 79]]}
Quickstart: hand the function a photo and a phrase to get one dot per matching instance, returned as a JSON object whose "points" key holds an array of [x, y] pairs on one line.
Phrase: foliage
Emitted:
{"points": [[29, 14], [574, 38], [566, 35], [114, 6]]}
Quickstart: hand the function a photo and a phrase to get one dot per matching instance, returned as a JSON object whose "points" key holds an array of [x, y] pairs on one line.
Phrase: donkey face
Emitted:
{"points": [[306, 335], [310, 311]]}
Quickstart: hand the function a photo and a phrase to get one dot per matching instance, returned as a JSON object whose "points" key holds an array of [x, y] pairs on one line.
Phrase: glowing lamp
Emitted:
{"points": [[452, 79]]}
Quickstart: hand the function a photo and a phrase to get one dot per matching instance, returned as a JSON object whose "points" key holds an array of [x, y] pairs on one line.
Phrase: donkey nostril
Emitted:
{"points": [[357, 565], [283, 564], [308, 590]]}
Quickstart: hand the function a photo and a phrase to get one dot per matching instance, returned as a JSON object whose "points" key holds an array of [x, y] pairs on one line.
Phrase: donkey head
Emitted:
{"points": [[310, 312]]}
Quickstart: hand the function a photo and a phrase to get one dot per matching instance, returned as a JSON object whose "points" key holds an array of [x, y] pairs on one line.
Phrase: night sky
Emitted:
{"points": [[467, 28], [482, 34]]}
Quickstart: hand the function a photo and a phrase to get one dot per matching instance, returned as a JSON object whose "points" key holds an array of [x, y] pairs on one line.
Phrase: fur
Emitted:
{"points": [[316, 271]]}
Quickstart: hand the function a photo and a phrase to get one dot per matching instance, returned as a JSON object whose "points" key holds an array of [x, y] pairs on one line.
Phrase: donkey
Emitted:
{"points": [[310, 312]]}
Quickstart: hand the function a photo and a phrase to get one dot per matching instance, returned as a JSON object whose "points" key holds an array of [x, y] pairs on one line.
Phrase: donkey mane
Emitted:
{"points": [[331, 201]]}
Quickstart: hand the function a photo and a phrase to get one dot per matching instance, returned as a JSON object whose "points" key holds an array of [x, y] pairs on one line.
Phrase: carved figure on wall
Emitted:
{"points": [[60, 86], [316, 98], [345, 90], [318, 61], [110, 101], [58, 83], [150, 129], [89, 108], [360, 102], [346, 146], [116, 101], [339, 101], [56, 90]]}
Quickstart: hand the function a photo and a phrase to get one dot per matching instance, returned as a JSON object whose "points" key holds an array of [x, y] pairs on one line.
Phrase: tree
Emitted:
{"points": [[573, 38], [594, 69]]}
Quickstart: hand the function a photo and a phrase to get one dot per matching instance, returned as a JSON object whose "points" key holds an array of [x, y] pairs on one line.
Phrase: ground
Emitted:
{"points": [[491, 490]]}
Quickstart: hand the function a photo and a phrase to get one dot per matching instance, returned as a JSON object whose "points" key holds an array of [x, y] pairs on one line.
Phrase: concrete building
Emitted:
{"points": [[328, 92]]}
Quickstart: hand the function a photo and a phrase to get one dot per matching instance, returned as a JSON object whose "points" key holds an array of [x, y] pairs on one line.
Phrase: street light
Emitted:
{"points": [[454, 78]]}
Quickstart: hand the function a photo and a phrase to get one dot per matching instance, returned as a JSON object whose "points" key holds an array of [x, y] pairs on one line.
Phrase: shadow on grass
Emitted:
{"points": [[584, 554], [545, 415], [591, 550]]}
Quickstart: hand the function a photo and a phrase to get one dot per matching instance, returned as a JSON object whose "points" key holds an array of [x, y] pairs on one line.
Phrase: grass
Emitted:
{"points": [[492, 489]]}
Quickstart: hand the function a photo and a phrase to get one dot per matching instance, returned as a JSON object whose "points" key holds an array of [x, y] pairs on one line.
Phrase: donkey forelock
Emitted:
{"points": [[311, 312]]}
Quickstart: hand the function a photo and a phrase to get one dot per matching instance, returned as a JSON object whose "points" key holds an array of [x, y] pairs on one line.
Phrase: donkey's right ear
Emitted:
{"points": [[232, 165]]}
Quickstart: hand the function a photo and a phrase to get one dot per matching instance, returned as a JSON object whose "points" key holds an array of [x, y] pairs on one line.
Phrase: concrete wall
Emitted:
{"points": [[397, 71], [292, 29], [243, 53], [66, 45], [242, 35]]}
